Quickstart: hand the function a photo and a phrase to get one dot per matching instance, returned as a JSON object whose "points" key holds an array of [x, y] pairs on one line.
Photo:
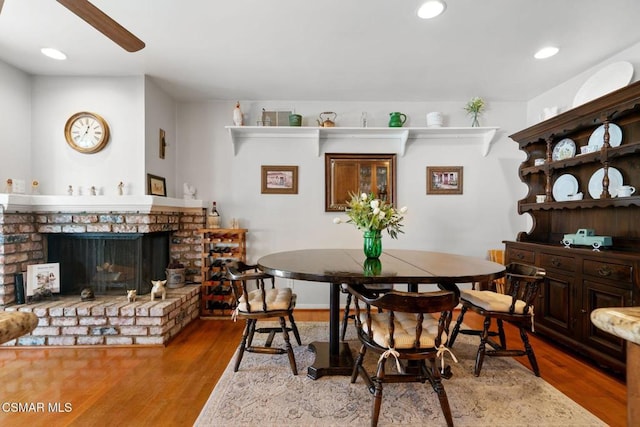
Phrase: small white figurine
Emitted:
{"points": [[93, 190], [120, 188], [131, 295], [9, 188], [34, 187], [189, 191], [70, 190], [158, 289]]}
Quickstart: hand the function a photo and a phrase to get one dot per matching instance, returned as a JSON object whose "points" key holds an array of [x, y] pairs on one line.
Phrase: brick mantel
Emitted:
{"points": [[25, 218]]}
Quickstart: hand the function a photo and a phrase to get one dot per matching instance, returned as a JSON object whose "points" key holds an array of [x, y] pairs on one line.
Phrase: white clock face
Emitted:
{"points": [[87, 132]]}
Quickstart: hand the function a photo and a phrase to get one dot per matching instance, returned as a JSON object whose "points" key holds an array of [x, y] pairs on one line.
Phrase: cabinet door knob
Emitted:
{"points": [[583, 310], [555, 262], [604, 271], [519, 255]]}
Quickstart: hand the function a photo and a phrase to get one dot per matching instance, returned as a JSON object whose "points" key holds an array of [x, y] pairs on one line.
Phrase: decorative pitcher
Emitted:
{"points": [[396, 120]]}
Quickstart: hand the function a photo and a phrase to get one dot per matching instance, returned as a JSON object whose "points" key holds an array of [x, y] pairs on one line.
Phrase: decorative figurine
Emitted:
{"points": [[34, 187], [9, 185], [87, 294], [189, 191], [93, 190], [158, 289], [132, 294], [237, 115], [120, 188], [70, 190]]}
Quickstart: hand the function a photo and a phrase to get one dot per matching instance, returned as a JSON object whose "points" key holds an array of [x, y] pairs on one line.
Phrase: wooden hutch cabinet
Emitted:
{"points": [[579, 278]]}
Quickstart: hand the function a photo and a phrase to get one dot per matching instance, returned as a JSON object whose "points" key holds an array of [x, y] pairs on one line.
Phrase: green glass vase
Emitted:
{"points": [[372, 243], [372, 267]]}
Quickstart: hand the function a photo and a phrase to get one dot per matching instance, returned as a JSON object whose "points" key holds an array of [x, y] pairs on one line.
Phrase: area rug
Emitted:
{"points": [[264, 392]]}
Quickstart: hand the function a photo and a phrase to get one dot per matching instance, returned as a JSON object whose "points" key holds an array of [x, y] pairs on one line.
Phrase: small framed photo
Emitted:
{"points": [[279, 180], [156, 185], [43, 280], [275, 117], [444, 179]]}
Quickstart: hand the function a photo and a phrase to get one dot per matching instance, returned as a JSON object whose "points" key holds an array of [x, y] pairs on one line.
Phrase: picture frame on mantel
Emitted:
{"points": [[156, 185], [279, 180], [444, 179]]}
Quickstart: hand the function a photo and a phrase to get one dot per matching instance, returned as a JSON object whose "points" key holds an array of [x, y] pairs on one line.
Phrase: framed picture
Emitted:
{"points": [[444, 179], [43, 279], [156, 185], [279, 180]]}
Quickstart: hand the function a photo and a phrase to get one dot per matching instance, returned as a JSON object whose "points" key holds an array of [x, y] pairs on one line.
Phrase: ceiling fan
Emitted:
{"points": [[101, 22]]}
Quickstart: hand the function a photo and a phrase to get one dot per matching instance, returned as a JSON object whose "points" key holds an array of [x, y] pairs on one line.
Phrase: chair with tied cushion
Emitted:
{"points": [[347, 307], [514, 306], [407, 331], [263, 302]]}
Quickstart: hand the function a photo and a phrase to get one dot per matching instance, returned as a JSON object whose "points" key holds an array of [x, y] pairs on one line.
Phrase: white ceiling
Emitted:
{"points": [[343, 50]]}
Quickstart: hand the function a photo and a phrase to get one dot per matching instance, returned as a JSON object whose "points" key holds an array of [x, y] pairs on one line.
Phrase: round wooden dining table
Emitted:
{"points": [[338, 266]]}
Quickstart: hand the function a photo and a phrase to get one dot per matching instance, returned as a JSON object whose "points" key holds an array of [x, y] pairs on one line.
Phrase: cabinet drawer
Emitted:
{"points": [[521, 255], [608, 270], [557, 262]]}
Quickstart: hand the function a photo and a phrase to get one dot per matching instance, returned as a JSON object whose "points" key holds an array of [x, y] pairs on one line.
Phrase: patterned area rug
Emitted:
{"points": [[265, 392]]}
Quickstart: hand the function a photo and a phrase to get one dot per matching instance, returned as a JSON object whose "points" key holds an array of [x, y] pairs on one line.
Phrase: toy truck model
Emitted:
{"points": [[587, 237]]}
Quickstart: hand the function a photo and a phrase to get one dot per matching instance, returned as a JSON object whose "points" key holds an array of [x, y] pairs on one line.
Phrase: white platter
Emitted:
{"points": [[564, 149], [595, 182], [564, 187], [612, 77], [615, 136]]}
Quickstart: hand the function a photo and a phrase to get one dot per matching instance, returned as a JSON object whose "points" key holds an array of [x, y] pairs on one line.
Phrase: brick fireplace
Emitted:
{"points": [[25, 221]]}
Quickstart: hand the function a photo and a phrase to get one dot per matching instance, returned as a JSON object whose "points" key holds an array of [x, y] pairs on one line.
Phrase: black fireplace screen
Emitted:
{"points": [[108, 263]]}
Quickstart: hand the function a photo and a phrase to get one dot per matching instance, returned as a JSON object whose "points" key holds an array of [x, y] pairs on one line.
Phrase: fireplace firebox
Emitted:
{"points": [[108, 263]]}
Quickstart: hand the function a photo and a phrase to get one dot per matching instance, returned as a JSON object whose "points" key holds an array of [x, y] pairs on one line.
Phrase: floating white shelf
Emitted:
{"points": [[400, 136]]}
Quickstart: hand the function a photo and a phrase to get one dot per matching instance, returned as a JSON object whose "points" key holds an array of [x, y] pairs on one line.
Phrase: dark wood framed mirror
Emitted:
{"points": [[347, 173]]}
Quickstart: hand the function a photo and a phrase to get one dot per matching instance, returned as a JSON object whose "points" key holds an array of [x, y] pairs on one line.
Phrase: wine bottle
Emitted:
{"points": [[213, 220]]}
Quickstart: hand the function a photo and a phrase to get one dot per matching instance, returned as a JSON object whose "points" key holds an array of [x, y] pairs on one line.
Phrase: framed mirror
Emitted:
{"points": [[358, 173]]}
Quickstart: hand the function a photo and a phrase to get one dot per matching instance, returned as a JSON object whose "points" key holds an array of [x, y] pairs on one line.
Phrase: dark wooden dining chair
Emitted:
{"points": [[347, 306], [514, 306], [260, 302], [406, 331]]}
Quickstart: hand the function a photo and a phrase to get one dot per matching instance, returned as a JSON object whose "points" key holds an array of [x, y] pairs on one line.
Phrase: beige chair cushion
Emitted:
{"points": [[405, 329], [276, 299], [492, 301]]}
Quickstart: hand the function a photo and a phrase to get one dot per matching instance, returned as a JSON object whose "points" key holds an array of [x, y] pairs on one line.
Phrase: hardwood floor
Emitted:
{"points": [[168, 386]]}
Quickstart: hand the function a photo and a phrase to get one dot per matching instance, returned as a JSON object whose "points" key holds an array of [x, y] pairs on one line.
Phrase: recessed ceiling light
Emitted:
{"points": [[431, 9], [53, 53], [546, 52]]}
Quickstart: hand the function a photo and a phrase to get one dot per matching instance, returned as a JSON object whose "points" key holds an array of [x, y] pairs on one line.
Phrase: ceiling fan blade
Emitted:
{"points": [[103, 23]]}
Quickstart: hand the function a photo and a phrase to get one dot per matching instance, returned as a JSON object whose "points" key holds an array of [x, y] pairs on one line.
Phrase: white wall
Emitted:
{"points": [[160, 113], [15, 124], [120, 101], [471, 223]]}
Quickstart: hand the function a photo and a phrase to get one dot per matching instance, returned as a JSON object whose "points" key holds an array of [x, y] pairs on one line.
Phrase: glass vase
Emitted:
{"points": [[475, 123], [372, 243], [372, 267]]}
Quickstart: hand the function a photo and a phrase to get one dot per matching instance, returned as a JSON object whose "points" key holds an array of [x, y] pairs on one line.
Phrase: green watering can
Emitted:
{"points": [[396, 120]]}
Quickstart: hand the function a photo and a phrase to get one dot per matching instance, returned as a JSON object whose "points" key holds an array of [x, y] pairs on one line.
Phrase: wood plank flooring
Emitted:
{"points": [[157, 386]]}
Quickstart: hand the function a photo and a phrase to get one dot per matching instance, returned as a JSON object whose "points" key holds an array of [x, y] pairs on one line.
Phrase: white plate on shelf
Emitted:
{"points": [[615, 136], [612, 77], [595, 182], [564, 187], [564, 149]]}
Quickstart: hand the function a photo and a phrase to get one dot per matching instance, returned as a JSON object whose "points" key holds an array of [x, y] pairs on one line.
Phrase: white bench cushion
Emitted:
{"points": [[276, 299], [405, 329], [492, 301]]}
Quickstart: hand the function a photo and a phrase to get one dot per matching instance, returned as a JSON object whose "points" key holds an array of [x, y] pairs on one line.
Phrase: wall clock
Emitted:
{"points": [[86, 132]]}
